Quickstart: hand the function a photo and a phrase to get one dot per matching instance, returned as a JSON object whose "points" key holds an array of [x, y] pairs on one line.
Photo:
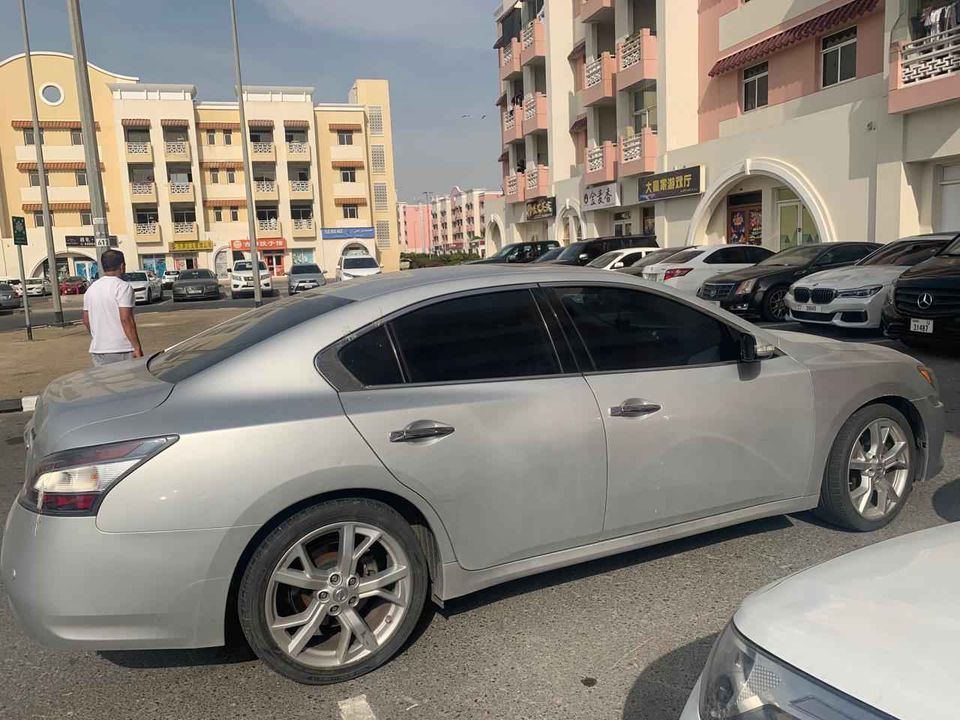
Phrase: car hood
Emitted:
{"points": [[198, 282], [361, 272], [879, 624], [71, 407], [138, 284], [755, 272], [943, 268], [248, 274], [852, 277]]}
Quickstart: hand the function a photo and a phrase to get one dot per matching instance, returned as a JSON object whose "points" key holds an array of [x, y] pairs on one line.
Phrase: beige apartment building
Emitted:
{"points": [[459, 220], [173, 173]]}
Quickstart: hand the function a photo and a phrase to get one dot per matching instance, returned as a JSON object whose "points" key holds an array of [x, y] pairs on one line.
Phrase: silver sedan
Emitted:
{"points": [[323, 466]]}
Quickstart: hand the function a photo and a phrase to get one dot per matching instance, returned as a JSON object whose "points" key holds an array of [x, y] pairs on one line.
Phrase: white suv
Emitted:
{"points": [[357, 266], [241, 279]]}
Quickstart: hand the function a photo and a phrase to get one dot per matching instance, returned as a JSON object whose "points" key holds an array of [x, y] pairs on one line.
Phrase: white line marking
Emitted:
{"points": [[356, 708], [29, 403]]}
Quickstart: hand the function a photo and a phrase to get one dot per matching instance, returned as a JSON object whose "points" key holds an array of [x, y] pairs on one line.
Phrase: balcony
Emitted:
{"points": [[185, 231], [177, 151], [263, 152], [301, 190], [222, 153], [146, 233], [592, 11], [538, 181], [533, 42], [182, 192], [225, 191], [298, 151], [515, 188], [638, 153], [139, 152], [304, 228], [636, 60], [512, 125], [510, 60], [601, 164], [268, 228], [349, 190], [535, 114], [925, 72], [598, 81], [347, 153], [53, 153], [266, 191], [57, 194], [143, 192]]}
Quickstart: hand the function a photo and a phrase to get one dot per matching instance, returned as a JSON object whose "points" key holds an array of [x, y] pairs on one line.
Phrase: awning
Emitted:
{"points": [[297, 124], [579, 51], [348, 127], [135, 122], [222, 164], [55, 166], [175, 122], [218, 125], [504, 156], [50, 124], [347, 164], [501, 101], [57, 207], [579, 125], [794, 36], [350, 201], [260, 123], [221, 202]]}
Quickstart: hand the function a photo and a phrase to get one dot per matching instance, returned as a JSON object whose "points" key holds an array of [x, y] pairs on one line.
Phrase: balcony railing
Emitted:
{"points": [[297, 148], [530, 107], [593, 73], [509, 120], [177, 147], [183, 228], [513, 184], [299, 186], [631, 148], [142, 188], [265, 186], [508, 54], [303, 224], [631, 52], [595, 157], [533, 178], [931, 57], [268, 225], [148, 228], [138, 148], [181, 188], [261, 148], [529, 34]]}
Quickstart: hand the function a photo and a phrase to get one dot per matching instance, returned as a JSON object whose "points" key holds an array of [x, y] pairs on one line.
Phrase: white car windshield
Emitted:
{"points": [[135, 277], [604, 260], [359, 263], [246, 266]]}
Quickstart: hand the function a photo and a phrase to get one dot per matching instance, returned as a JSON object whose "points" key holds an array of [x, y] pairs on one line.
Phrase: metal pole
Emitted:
{"points": [[89, 129], [247, 165], [26, 300], [42, 173]]}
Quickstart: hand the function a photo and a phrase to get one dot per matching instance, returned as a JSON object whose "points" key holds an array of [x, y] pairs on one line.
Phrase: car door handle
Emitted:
{"points": [[421, 430], [634, 408]]}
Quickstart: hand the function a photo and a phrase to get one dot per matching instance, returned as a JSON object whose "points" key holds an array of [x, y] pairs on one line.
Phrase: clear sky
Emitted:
{"points": [[436, 54]]}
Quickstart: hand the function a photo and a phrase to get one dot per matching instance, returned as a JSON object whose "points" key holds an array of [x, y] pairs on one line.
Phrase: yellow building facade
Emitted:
{"points": [[172, 169]]}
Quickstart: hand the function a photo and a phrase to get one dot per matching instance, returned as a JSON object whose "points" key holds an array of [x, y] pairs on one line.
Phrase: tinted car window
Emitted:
{"points": [[305, 270], [657, 256], [479, 337], [726, 256], [795, 257], [685, 256], [626, 329], [844, 254], [360, 263], [195, 275], [549, 255], [573, 252], [370, 359], [234, 336], [630, 258], [757, 254], [135, 277], [905, 253], [604, 259]]}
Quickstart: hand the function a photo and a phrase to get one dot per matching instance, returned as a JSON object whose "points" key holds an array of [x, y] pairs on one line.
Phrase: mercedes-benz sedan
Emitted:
{"points": [[443, 431]]}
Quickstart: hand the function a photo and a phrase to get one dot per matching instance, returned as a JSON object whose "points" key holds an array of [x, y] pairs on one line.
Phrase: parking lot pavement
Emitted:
{"points": [[620, 638]]}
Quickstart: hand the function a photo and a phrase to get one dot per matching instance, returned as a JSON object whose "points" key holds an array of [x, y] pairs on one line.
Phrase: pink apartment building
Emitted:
{"points": [[415, 222]]}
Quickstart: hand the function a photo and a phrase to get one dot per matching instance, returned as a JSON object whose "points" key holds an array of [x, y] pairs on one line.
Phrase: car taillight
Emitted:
{"points": [[73, 482], [676, 273]]}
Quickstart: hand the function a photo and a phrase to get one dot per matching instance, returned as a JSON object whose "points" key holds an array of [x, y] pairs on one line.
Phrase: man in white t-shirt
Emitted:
{"points": [[108, 314]]}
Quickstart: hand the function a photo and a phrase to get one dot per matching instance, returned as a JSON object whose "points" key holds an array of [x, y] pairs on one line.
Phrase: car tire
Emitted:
{"points": [[315, 535], [233, 296], [850, 497], [774, 308]]}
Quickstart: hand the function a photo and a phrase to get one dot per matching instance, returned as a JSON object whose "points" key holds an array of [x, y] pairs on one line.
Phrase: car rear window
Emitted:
{"points": [[195, 275], [360, 263], [305, 270], [685, 256], [219, 343]]}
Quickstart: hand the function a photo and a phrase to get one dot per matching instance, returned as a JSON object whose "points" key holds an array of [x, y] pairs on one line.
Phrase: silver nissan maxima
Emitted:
{"points": [[318, 468]]}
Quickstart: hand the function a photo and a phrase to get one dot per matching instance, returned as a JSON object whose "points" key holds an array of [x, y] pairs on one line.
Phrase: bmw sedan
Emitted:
{"points": [[622, 414], [807, 648]]}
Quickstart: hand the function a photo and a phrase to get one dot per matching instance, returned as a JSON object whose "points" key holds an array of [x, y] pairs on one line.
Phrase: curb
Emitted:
{"points": [[25, 404]]}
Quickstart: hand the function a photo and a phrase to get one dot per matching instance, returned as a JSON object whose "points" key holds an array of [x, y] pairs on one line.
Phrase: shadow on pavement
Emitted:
{"points": [[609, 564], [662, 689], [151, 659], [946, 501]]}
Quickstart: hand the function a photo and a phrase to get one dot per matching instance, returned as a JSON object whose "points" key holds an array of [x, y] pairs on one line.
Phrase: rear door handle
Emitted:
{"points": [[420, 431], [634, 408]]}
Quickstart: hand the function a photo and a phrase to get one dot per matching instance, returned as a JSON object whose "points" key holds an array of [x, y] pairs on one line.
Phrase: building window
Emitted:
{"points": [[81, 176], [86, 218], [348, 175], [375, 119], [380, 196], [215, 177], [234, 214], [28, 136], [231, 177], [301, 212], [378, 158], [211, 137], [344, 137], [76, 137], [351, 212], [755, 86], [218, 214], [35, 179], [228, 137], [188, 215], [838, 57], [38, 219], [383, 233]]}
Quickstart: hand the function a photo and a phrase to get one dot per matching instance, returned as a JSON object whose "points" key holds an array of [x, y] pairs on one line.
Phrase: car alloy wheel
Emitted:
{"points": [[775, 305], [879, 468]]}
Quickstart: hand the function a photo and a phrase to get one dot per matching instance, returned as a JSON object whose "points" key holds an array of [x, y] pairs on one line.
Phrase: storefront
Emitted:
{"points": [[272, 251], [538, 213]]}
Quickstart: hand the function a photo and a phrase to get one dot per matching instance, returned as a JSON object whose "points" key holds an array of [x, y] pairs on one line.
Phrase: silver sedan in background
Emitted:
{"points": [[442, 431], [305, 277]]}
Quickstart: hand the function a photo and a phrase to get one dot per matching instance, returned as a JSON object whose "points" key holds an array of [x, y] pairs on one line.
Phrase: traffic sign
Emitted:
{"points": [[19, 230], [103, 242]]}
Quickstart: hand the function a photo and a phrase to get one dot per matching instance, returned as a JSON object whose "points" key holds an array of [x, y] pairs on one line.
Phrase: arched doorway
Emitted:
{"points": [[222, 262], [569, 228], [68, 264], [355, 249], [494, 237]]}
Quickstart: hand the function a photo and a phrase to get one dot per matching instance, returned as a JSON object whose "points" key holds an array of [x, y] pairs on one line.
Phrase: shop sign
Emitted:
{"points": [[542, 208], [192, 245], [672, 184], [599, 197], [357, 233], [87, 241], [262, 244]]}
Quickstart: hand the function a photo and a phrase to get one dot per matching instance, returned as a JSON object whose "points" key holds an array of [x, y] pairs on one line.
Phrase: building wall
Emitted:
{"points": [[416, 223]]}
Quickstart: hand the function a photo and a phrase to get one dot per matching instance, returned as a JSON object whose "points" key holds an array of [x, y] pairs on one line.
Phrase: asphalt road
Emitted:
{"points": [[624, 637]]}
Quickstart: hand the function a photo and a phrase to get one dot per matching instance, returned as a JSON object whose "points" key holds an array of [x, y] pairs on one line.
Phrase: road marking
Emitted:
{"points": [[356, 708]]}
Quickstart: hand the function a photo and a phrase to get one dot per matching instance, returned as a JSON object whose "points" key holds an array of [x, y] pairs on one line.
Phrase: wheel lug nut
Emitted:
{"points": [[352, 582], [353, 601], [334, 610], [335, 579], [324, 595]]}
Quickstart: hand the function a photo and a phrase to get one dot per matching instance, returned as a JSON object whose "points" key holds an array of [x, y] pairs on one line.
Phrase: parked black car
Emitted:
{"points": [[763, 288], [924, 307], [196, 285], [585, 251], [525, 252]]}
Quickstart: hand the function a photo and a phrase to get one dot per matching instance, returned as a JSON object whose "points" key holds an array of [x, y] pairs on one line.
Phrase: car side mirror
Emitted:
{"points": [[584, 256], [753, 352], [617, 266]]}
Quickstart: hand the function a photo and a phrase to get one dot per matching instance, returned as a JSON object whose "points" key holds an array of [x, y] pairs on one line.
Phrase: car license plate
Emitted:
{"points": [[811, 308], [194, 291], [921, 326]]}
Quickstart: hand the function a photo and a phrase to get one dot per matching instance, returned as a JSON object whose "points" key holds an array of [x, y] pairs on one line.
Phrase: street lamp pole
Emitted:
{"points": [[42, 173], [247, 165]]}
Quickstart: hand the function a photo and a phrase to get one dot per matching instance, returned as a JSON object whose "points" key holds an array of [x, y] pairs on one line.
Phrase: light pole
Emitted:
{"points": [[247, 165], [42, 174]]}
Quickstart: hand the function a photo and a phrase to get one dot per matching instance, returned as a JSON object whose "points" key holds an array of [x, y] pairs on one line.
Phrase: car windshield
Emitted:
{"points": [[172, 273], [35, 281], [360, 263], [505, 251], [549, 255], [4, 287], [227, 339], [247, 266], [953, 249], [682, 257], [195, 275], [905, 253], [572, 252], [305, 270], [657, 256], [794, 257], [135, 277], [605, 260]]}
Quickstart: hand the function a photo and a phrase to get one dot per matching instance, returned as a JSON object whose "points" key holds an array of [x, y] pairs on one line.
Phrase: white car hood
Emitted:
{"points": [[361, 272], [880, 624], [850, 278], [138, 284]]}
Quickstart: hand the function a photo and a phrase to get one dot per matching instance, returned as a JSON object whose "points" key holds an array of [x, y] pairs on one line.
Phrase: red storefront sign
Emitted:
{"points": [[262, 244]]}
